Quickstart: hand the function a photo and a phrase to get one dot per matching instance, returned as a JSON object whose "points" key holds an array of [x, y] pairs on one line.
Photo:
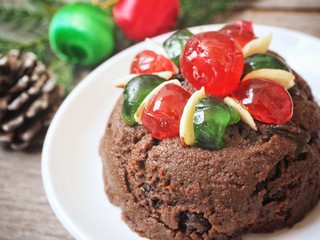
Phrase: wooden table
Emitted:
{"points": [[24, 209]]}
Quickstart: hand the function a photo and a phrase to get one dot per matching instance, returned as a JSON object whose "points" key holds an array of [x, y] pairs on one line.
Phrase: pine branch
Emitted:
{"points": [[201, 12], [63, 73], [22, 24], [50, 6], [25, 29]]}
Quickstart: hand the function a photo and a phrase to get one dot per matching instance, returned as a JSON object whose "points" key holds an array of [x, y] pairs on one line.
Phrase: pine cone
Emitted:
{"points": [[28, 100]]}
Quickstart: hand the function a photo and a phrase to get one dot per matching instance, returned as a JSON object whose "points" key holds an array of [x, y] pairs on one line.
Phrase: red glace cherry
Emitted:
{"points": [[241, 31], [213, 60], [148, 61], [162, 115], [267, 101]]}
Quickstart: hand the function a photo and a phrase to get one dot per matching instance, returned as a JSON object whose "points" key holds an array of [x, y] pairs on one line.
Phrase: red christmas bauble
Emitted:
{"points": [[139, 19]]}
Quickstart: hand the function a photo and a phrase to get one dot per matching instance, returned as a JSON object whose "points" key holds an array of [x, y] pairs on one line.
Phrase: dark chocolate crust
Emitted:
{"points": [[259, 182]]}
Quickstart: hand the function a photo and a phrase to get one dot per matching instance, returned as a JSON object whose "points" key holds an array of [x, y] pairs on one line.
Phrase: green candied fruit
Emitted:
{"points": [[210, 121], [175, 43], [135, 92], [261, 60], [234, 115]]}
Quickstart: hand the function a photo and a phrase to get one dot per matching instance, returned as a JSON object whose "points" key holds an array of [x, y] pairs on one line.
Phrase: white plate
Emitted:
{"points": [[71, 167]]}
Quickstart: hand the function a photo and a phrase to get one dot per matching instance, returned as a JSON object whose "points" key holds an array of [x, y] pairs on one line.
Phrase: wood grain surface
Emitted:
{"points": [[24, 209]]}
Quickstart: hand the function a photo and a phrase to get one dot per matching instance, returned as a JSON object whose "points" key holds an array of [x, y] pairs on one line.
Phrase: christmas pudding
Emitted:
{"points": [[214, 137]]}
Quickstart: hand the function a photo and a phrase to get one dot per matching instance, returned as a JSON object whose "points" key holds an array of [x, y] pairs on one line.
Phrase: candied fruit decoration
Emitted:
{"points": [[262, 61], [148, 61], [244, 114], [241, 31], [186, 122], [163, 113], [266, 100], [282, 77], [210, 120], [150, 96], [213, 60], [175, 43], [268, 66], [258, 45], [134, 93]]}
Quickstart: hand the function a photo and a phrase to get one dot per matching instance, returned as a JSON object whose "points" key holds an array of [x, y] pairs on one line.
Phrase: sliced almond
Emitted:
{"points": [[283, 77], [242, 110], [186, 121], [259, 45], [122, 82], [153, 93]]}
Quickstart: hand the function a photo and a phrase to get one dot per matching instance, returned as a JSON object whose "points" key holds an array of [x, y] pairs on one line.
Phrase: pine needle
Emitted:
{"points": [[201, 12], [21, 24], [63, 73]]}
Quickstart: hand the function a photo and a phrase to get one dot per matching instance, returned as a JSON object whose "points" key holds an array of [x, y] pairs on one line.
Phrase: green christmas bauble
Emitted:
{"points": [[82, 34]]}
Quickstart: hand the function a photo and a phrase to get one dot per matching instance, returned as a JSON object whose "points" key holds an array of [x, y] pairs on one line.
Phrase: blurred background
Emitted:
{"points": [[24, 26]]}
